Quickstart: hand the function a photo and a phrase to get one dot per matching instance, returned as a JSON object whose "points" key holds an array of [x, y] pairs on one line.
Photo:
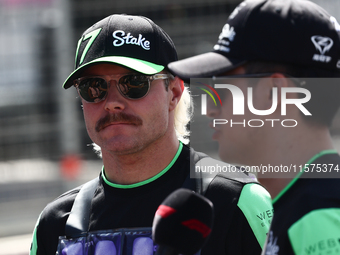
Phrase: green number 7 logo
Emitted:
{"points": [[93, 35]]}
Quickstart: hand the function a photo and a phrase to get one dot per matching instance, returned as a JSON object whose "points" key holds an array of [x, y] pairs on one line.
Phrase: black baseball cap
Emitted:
{"points": [[286, 31], [134, 42]]}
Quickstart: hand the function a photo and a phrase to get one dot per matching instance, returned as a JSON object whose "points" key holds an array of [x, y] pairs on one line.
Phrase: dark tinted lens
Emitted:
{"points": [[134, 86], [92, 89]]}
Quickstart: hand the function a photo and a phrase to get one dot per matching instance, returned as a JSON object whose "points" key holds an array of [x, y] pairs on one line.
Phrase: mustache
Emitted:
{"points": [[117, 118]]}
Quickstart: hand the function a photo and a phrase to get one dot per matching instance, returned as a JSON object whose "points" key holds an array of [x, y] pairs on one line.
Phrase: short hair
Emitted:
{"points": [[324, 101], [183, 114]]}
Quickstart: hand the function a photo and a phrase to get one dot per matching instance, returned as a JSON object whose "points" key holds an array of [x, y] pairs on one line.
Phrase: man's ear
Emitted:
{"points": [[175, 88], [279, 81], [268, 92]]}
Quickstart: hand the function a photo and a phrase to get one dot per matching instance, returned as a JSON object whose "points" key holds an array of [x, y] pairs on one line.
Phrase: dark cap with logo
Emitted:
{"points": [[134, 42], [286, 31]]}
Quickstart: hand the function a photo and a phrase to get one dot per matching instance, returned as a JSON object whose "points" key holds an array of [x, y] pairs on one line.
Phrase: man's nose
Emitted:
{"points": [[213, 108], [114, 100]]}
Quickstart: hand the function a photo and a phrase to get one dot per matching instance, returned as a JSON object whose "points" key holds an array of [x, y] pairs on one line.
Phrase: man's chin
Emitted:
{"points": [[120, 146]]}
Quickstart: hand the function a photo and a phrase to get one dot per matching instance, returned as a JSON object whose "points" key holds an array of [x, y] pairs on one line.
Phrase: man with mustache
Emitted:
{"points": [[283, 56], [136, 114]]}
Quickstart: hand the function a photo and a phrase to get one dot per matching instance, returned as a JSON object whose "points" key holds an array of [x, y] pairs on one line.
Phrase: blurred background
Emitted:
{"points": [[44, 147]]}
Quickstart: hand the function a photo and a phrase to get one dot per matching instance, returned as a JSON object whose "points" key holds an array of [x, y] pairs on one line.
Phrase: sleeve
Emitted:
{"points": [[51, 224], [317, 232], [34, 243], [255, 204], [243, 213]]}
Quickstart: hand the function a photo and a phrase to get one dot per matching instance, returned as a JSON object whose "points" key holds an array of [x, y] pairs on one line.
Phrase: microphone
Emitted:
{"points": [[182, 223]]}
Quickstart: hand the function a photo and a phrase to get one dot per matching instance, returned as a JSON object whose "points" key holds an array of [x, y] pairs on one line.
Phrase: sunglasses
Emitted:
{"points": [[94, 89]]}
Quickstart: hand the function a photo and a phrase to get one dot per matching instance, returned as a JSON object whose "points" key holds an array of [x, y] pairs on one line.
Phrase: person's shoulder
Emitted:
{"points": [[325, 176], [239, 190], [64, 202], [61, 205], [317, 229], [68, 195], [245, 186]]}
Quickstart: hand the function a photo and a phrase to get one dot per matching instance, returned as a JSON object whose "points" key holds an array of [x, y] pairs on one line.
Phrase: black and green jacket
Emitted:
{"points": [[243, 208], [307, 211]]}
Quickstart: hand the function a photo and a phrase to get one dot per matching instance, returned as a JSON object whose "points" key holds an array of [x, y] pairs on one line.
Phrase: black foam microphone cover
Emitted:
{"points": [[183, 222]]}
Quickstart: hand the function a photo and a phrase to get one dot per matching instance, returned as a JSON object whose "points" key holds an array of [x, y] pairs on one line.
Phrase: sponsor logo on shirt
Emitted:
{"points": [[266, 216], [326, 246], [272, 248]]}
